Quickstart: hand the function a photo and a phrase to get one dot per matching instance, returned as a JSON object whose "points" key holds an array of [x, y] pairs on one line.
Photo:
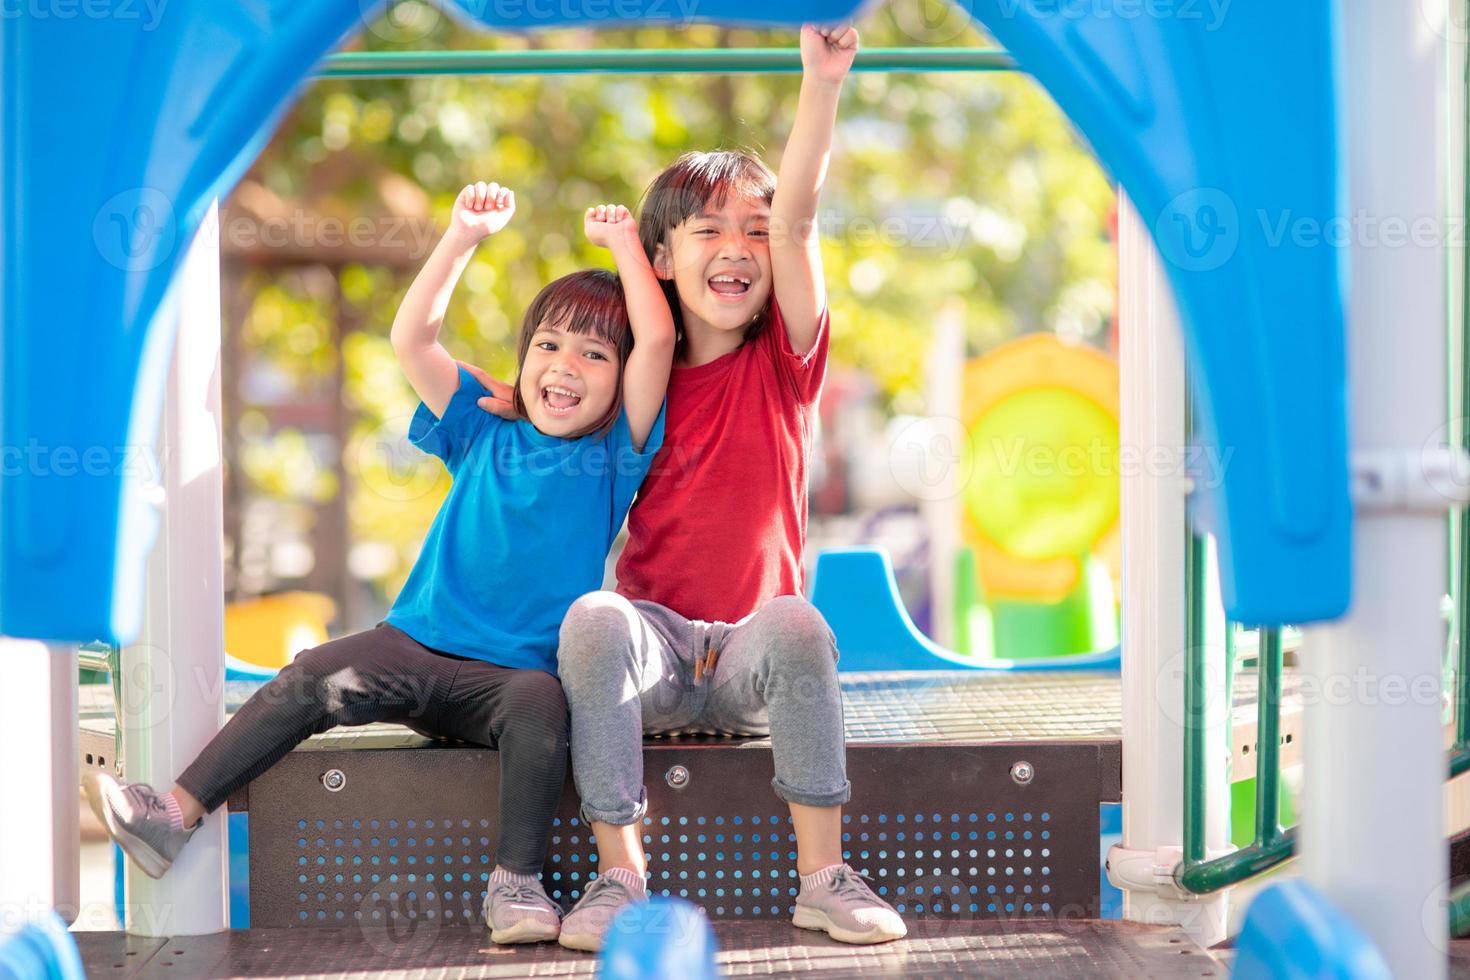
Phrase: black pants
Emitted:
{"points": [[385, 675]]}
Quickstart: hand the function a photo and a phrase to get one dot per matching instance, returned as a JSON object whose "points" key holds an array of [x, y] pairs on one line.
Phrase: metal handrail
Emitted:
{"points": [[1272, 844], [692, 61]]}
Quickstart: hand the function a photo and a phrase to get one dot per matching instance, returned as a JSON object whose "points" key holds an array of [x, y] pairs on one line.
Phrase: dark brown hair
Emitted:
{"points": [[587, 303], [690, 186]]}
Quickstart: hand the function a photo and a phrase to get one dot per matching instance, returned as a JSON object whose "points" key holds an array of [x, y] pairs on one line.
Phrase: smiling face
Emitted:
{"points": [[720, 263], [568, 381], [573, 345], [705, 224]]}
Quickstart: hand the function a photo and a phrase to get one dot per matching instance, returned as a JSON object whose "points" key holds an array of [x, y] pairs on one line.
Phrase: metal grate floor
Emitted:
{"points": [[900, 706], [1054, 950]]}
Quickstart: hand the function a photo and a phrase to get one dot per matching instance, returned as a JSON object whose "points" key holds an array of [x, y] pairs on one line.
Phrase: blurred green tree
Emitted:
{"points": [[964, 191]]}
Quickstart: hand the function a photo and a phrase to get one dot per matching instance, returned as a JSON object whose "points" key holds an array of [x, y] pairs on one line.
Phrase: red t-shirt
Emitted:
{"points": [[719, 525]]}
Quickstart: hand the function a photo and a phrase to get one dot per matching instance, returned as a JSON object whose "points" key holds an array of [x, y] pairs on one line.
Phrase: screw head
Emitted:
{"points": [[677, 777], [334, 780], [1023, 772]]}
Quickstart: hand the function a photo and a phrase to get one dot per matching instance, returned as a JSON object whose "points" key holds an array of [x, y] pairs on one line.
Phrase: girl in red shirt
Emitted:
{"points": [[708, 630]]}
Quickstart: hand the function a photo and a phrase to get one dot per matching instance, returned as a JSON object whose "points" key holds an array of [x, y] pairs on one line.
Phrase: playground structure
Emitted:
{"points": [[1032, 575], [1347, 544]]}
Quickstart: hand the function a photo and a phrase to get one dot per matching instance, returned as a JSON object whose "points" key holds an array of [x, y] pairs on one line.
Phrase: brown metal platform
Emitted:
{"points": [[1053, 950], [943, 820], [908, 706]]}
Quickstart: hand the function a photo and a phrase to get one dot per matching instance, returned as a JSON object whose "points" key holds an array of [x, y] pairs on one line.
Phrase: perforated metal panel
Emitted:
{"points": [[942, 831], [745, 867]]}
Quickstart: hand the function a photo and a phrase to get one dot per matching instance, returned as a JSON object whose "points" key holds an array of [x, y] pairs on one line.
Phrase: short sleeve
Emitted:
{"points": [[450, 436], [805, 373], [630, 466]]}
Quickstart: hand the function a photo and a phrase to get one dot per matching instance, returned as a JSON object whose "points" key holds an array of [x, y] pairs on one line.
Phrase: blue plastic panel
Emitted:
{"points": [[1222, 129], [855, 591], [116, 134], [1217, 130], [1291, 932], [660, 939], [40, 950]]}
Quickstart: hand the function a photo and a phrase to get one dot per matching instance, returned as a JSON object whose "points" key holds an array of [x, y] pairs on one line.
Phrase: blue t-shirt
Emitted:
{"points": [[524, 530]]}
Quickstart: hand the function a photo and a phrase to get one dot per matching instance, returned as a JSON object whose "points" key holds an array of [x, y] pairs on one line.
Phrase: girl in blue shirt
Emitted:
{"points": [[468, 650]]}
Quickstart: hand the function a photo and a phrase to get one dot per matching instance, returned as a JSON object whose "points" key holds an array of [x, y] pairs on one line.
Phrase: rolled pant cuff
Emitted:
{"points": [[834, 798], [620, 817]]}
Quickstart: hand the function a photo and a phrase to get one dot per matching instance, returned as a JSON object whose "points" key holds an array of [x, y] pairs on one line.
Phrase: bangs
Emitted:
{"points": [[700, 182], [586, 303], [588, 312]]}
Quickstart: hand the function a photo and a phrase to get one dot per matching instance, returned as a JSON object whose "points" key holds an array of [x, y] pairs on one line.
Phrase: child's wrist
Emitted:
{"points": [[625, 244], [810, 77], [460, 236]]}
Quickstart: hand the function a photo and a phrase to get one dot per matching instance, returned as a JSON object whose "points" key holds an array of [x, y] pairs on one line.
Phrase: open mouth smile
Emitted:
{"points": [[559, 402], [730, 287]]}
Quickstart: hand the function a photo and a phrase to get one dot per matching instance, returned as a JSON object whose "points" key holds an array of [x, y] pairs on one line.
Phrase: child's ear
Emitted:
{"points": [[663, 266]]}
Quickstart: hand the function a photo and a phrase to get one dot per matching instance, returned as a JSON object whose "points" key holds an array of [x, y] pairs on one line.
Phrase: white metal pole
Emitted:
{"points": [[1372, 817], [943, 510], [1152, 414], [173, 678], [40, 836]]}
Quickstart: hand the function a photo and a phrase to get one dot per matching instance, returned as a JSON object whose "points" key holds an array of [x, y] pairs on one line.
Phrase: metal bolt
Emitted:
{"points": [[677, 777], [1023, 772], [334, 780]]}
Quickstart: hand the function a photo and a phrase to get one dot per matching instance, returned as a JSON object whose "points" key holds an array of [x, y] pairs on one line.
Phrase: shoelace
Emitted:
{"points": [[516, 892], [154, 805], [604, 886], [846, 883], [138, 798]]}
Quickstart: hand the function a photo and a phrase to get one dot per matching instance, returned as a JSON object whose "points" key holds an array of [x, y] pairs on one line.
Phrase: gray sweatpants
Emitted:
{"points": [[628, 669]]}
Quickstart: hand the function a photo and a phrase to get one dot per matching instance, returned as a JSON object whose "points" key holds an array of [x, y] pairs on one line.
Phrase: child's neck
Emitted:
{"points": [[704, 343]]}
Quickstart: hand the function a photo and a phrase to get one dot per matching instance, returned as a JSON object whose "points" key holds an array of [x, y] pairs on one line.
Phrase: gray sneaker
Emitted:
{"points": [[135, 817], [845, 908], [519, 912], [587, 922]]}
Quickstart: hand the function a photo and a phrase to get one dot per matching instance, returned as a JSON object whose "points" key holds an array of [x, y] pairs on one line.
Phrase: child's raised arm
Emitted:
{"points": [[796, 254], [646, 375], [480, 210]]}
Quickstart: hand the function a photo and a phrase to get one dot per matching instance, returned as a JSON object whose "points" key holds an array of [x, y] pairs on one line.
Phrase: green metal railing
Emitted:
{"points": [[1459, 760], [1272, 844], [722, 61], [1459, 754]]}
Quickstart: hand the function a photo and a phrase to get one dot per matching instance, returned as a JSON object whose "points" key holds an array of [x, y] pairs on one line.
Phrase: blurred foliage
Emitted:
{"points": [[967, 192]]}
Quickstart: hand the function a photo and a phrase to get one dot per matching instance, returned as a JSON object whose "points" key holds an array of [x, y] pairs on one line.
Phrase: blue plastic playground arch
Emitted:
{"points": [[1208, 126]]}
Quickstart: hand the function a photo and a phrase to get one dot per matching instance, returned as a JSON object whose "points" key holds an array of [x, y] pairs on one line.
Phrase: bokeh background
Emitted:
{"points": [[960, 198]]}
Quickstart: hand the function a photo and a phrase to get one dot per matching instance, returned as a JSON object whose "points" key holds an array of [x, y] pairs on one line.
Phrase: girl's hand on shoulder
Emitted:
{"points": [[501, 400], [483, 209], [827, 52], [607, 224]]}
